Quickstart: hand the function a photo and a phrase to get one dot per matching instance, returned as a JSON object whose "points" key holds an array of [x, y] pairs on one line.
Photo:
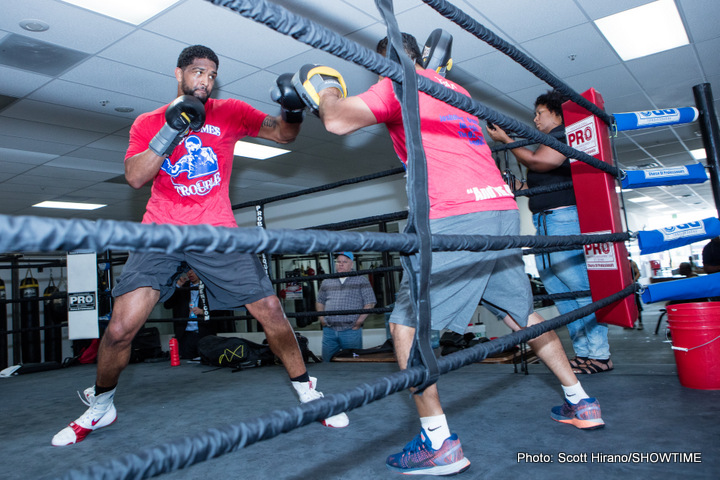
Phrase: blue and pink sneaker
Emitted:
{"points": [[585, 415], [419, 458]]}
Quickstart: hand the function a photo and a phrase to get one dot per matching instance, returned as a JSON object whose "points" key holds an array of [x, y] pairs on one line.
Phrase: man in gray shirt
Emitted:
{"points": [[345, 293]]}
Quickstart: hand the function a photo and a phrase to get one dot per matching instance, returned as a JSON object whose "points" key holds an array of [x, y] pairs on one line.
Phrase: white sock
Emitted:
{"points": [[436, 428], [574, 393]]}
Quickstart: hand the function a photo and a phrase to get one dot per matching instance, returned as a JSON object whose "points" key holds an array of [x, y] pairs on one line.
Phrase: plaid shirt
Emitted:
{"points": [[354, 294]]}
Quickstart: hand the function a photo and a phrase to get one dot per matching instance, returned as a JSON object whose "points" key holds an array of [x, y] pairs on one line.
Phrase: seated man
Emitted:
{"points": [[344, 293]]}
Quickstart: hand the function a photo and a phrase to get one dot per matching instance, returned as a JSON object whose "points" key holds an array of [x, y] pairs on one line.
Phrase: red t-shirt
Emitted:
{"points": [[192, 186], [462, 176]]}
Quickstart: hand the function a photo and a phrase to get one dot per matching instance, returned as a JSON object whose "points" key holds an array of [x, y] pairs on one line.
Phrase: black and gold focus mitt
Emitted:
{"points": [[311, 79]]}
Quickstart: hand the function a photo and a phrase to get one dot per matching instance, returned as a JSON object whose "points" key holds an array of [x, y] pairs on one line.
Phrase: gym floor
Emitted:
{"points": [[498, 414]]}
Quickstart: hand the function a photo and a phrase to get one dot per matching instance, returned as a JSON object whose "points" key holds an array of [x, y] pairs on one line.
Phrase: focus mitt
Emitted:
{"points": [[436, 54], [311, 79]]}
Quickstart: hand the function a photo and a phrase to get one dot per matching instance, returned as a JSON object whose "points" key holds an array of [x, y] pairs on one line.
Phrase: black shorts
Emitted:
{"points": [[231, 279]]}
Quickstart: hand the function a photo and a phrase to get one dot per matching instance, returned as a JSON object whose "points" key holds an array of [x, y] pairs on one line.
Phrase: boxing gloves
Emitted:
{"points": [[292, 108], [185, 113], [311, 79]]}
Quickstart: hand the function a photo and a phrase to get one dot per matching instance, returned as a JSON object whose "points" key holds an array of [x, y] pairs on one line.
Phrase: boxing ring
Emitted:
{"points": [[44, 234]]}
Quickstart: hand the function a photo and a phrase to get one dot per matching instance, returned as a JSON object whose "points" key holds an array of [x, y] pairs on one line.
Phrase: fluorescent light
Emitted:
{"points": [[641, 199], [699, 154], [657, 207], [131, 11], [256, 151], [651, 28], [70, 205]]}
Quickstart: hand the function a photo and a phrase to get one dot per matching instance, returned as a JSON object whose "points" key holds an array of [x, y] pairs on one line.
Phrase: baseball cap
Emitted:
{"points": [[348, 254]]}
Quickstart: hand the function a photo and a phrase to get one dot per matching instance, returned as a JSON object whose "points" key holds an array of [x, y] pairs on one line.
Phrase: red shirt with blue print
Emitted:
{"points": [[192, 186], [462, 175]]}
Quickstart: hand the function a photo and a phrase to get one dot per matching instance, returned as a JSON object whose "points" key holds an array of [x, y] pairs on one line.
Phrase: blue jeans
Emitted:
{"points": [[566, 272], [335, 340]]}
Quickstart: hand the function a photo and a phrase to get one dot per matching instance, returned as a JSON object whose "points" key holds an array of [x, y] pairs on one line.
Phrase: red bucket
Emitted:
{"points": [[695, 329]]}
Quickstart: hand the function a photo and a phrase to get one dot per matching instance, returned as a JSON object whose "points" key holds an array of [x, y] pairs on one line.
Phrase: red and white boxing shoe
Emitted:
{"points": [[100, 414], [307, 393]]}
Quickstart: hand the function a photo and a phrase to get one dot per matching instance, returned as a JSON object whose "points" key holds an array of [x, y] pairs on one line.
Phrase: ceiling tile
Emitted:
{"points": [[127, 79], [670, 67], [24, 156], [596, 9], [70, 26], [231, 35], [18, 83], [611, 82], [340, 17], [501, 72], [89, 169], [37, 56], [530, 18], [708, 54], [97, 100], [10, 169], [696, 14], [561, 51], [65, 117]]}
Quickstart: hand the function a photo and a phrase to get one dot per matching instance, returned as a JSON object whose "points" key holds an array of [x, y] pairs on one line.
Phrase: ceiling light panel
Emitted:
{"points": [[641, 31], [130, 11], [69, 205]]}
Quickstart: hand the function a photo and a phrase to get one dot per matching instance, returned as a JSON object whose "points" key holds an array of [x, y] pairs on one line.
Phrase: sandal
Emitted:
{"points": [[594, 365], [578, 361]]}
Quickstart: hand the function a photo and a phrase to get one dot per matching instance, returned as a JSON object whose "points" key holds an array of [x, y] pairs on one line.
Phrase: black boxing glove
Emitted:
{"points": [[292, 108], [311, 79], [185, 113]]}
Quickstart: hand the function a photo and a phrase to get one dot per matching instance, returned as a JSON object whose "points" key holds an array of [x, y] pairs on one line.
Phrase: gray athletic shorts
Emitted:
{"points": [[459, 280], [231, 279]]}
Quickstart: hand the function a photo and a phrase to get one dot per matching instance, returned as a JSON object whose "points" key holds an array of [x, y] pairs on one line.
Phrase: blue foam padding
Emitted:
{"points": [[654, 118], [654, 177], [667, 238], [687, 289]]}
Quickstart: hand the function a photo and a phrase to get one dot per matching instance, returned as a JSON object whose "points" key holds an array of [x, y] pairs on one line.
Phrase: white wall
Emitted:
{"points": [[377, 197], [385, 195]]}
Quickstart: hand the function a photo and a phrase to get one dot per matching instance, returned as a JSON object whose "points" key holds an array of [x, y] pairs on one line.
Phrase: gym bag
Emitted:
{"points": [[234, 352]]}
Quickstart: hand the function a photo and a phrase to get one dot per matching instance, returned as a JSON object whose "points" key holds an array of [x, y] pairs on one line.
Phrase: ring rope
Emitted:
{"points": [[30, 233], [469, 24], [361, 222], [563, 295], [555, 187], [522, 143], [543, 250], [323, 276], [315, 35], [228, 438], [417, 269]]}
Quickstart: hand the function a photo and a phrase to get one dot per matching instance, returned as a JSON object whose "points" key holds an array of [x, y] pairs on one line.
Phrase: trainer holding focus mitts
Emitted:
{"points": [[186, 150]]}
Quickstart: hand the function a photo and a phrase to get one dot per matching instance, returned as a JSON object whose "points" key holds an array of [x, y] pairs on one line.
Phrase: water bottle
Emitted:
{"points": [[477, 329], [174, 352]]}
